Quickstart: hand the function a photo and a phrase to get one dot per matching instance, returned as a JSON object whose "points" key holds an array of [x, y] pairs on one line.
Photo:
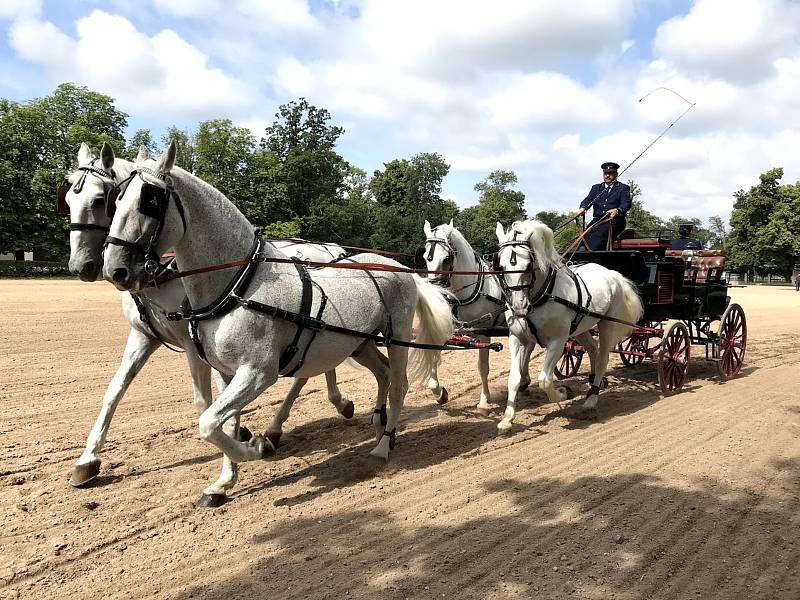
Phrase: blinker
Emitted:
{"points": [[152, 201], [61, 198], [419, 255]]}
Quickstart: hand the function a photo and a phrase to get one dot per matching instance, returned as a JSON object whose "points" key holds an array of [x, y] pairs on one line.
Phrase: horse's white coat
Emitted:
{"points": [[86, 248], [611, 295], [245, 345], [480, 313]]}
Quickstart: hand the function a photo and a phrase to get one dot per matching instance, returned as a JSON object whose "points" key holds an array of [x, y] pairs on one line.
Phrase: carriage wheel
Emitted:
{"points": [[732, 342], [570, 361], [673, 359], [634, 343]]}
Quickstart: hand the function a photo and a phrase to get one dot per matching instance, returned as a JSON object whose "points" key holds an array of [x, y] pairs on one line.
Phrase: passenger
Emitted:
{"points": [[608, 198], [684, 242]]}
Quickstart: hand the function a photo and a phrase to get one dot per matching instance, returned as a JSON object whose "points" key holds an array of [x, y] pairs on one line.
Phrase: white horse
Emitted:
{"points": [[539, 298], [83, 202], [164, 207], [476, 300]]}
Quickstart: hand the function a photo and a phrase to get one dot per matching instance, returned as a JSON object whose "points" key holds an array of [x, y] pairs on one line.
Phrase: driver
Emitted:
{"points": [[608, 198]]}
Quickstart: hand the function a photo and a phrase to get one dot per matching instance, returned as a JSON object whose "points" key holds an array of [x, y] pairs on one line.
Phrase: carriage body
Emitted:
{"points": [[686, 302]]}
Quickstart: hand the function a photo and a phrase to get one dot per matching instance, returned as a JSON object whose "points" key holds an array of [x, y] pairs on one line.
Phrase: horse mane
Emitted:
{"points": [[540, 241], [460, 242]]}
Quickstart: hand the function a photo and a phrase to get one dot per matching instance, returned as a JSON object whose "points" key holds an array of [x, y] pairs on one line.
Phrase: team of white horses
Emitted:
{"points": [[159, 208]]}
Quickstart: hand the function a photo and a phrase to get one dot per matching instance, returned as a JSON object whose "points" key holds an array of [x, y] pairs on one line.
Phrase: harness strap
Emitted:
{"points": [[145, 318], [291, 350]]}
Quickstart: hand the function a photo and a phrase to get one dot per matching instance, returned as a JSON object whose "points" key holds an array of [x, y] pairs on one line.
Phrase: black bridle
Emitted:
{"points": [[507, 289], [108, 190], [153, 202], [447, 263]]}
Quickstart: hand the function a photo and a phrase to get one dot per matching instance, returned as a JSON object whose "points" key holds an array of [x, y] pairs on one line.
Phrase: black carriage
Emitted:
{"points": [[686, 302]]}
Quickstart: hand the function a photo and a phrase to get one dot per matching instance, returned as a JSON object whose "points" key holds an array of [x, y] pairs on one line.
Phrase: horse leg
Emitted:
{"points": [[518, 351], [483, 371], [275, 427], [138, 349], [247, 384], [600, 366], [526, 369], [398, 386], [371, 358], [555, 348], [343, 407], [436, 388], [586, 339]]}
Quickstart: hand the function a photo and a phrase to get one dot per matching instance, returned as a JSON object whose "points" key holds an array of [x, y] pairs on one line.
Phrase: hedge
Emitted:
{"points": [[33, 268]]}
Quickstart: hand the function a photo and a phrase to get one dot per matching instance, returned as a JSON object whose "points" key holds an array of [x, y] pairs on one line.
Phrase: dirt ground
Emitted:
{"points": [[692, 496]]}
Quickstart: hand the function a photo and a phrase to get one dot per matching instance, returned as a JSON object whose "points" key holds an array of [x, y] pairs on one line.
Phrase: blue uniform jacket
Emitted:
{"points": [[619, 197]]}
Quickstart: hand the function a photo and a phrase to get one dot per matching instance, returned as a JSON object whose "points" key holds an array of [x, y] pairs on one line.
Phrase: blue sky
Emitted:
{"points": [[545, 88]]}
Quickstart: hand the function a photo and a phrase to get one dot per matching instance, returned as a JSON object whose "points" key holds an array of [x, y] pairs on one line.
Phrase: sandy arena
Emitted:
{"points": [[692, 496]]}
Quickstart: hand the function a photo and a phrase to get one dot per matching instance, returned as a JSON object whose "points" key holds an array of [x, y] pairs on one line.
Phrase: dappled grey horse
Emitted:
{"points": [[266, 319], [82, 198]]}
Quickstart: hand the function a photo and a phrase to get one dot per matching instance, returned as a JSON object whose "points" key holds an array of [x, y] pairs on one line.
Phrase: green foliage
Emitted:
{"points": [[142, 137], [186, 156], [766, 227], [719, 232], [39, 142], [282, 229], [497, 202], [311, 172], [407, 192], [32, 268]]}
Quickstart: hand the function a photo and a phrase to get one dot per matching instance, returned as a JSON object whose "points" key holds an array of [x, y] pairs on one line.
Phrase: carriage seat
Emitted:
{"points": [[704, 261]]}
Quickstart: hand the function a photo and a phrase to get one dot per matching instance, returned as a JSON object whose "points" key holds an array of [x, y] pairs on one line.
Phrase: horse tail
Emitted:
{"points": [[629, 305], [434, 326]]}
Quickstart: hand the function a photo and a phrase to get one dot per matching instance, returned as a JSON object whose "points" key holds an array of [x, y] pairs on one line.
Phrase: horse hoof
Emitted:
{"points": [[83, 474], [568, 393], [270, 444], [245, 434], [483, 410], [348, 411], [443, 396], [211, 500], [524, 386], [503, 427], [378, 455]]}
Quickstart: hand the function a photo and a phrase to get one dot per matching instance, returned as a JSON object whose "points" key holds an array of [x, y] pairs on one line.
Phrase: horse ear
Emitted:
{"points": [[500, 232], [107, 156], [427, 229], [451, 223], [166, 161], [84, 154], [143, 155]]}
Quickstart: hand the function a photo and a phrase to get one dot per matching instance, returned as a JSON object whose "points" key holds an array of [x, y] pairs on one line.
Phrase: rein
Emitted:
{"points": [[358, 248], [327, 265]]}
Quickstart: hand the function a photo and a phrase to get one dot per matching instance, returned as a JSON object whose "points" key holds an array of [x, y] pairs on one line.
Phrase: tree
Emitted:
{"points": [[719, 232], [39, 141], [765, 223], [184, 142], [142, 137], [303, 144], [497, 202], [407, 192], [640, 219]]}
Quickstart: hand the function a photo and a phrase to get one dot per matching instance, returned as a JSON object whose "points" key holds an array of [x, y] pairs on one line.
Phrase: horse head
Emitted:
{"points": [[145, 224], [82, 198], [439, 253], [527, 252]]}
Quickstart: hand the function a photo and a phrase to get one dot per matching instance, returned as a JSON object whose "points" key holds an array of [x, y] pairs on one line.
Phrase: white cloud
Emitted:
{"points": [[161, 75], [14, 9], [455, 38], [545, 100], [735, 41], [279, 14], [195, 9], [26, 37]]}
